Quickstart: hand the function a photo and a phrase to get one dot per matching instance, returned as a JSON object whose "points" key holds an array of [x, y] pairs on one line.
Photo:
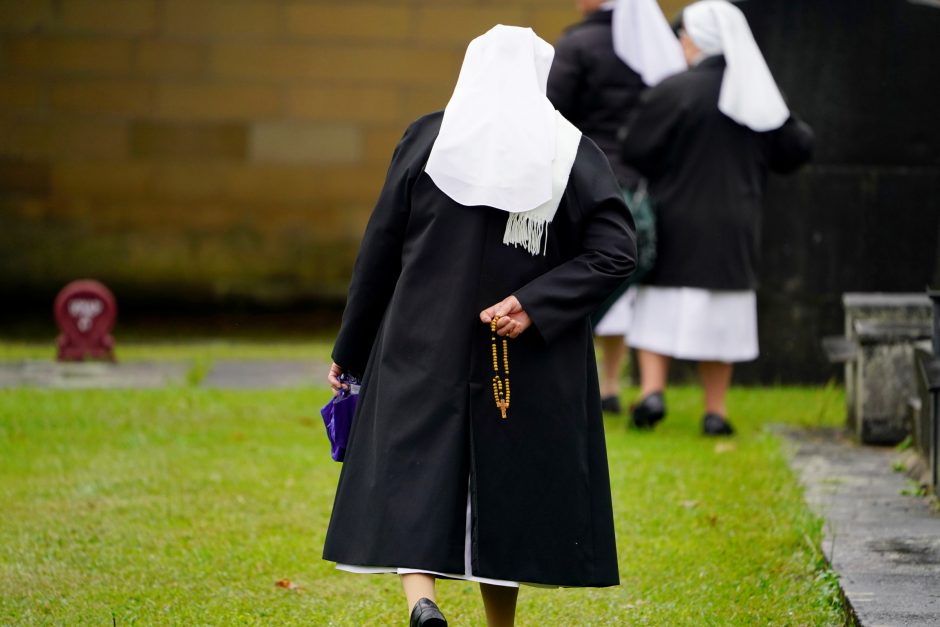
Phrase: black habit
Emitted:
{"points": [[593, 88], [427, 422], [707, 175]]}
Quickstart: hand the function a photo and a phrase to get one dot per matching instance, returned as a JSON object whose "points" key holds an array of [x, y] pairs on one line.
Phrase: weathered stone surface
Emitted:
{"points": [[884, 544], [881, 379]]}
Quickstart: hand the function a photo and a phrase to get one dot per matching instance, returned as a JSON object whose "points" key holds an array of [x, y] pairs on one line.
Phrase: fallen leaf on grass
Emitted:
{"points": [[725, 447], [287, 584], [688, 504]]}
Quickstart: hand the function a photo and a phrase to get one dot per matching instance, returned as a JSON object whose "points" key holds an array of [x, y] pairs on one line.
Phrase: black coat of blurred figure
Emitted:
{"points": [[707, 174], [593, 88]]}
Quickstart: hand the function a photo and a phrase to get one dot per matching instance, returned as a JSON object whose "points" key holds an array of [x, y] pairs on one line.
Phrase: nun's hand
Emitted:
{"points": [[513, 319], [333, 378]]}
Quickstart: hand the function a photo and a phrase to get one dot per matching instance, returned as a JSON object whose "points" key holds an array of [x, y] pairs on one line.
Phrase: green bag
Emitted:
{"points": [[641, 207]]}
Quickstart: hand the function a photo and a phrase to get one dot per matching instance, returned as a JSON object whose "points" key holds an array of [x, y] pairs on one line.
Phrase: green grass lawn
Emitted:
{"points": [[185, 506]]}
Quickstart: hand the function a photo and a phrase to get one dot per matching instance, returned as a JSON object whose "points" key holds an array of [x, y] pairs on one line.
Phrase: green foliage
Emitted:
{"points": [[185, 506]]}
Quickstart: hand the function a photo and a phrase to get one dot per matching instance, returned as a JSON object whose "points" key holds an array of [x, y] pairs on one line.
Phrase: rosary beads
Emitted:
{"points": [[500, 389]]}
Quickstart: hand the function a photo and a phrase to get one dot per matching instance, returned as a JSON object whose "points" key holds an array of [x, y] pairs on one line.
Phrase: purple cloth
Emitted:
{"points": [[338, 416]]}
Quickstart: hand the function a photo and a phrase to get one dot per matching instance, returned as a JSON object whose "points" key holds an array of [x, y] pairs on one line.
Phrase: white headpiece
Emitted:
{"points": [[501, 143], [749, 95], [645, 42]]}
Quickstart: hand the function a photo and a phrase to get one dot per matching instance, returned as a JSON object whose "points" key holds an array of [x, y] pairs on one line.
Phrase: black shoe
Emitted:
{"points": [[713, 424], [650, 410], [610, 404], [427, 614]]}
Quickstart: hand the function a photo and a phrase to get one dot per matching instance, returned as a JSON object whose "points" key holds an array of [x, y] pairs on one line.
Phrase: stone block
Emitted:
{"points": [[68, 54], [423, 100], [881, 379], [304, 142], [63, 139], [549, 23], [17, 15], [213, 19], [84, 180], [161, 57], [290, 184], [191, 181], [124, 17], [211, 101], [352, 104], [379, 144], [458, 25], [24, 178], [21, 96], [372, 64], [373, 22], [186, 141], [113, 96]]}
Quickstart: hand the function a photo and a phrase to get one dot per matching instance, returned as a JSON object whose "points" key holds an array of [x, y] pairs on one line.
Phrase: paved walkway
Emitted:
{"points": [[258, 375], [884, 544], [224, 374], [51, 374]]}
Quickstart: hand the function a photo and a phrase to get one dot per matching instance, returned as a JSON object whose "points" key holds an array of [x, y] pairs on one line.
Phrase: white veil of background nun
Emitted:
{"points": [[644, 40], [501, 143], [749, 95]]}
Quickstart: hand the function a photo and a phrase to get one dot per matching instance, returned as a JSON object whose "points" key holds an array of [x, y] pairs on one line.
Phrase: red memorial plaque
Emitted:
{"points": [[85, 312]]}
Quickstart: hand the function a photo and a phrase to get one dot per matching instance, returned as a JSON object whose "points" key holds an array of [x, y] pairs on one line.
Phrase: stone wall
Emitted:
{"points": [[210, 150]]}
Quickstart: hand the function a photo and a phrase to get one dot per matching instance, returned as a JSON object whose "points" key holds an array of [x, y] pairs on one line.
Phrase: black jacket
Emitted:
{"points": [[707, 175], [427, 421], [593, 88]]}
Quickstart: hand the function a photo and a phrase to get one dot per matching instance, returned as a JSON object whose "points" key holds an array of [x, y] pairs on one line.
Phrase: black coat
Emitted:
{"points": [[427, 421], [593, 88], [707, 175]]}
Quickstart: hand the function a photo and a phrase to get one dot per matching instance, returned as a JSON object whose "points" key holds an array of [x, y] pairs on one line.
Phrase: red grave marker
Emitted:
{"points": [[85, 311]]}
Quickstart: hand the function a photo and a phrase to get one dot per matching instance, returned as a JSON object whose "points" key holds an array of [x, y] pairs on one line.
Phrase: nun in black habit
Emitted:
{"points": [[706, 139], [495, 214]]}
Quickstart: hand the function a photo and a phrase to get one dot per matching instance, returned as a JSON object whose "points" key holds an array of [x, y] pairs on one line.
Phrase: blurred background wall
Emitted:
{"points": [[226, 153], [214, 150]]}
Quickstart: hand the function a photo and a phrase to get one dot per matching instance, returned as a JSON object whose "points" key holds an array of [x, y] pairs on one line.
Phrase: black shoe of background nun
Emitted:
{"points": [[611, 404], [714, 424], [426, 613], [650, 410]]}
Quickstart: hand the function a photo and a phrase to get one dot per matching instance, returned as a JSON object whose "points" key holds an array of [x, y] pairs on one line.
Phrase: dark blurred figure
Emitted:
{"points": [[596, 80], [706, 139]]}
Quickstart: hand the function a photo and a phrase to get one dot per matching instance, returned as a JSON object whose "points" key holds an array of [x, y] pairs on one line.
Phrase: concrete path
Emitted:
{"points": [[884, 544], [224, 374], [80, 375], [268, 374]]}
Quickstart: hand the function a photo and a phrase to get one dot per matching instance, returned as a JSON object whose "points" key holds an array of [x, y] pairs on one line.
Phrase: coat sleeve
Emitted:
{"points": [[378, 263], [790, 146], [646, 139], [565, 78], [569, 292]]}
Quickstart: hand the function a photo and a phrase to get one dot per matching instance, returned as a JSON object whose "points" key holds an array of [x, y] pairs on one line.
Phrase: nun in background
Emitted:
{"points": [[706, 139], [495, 214], [602, 65]]}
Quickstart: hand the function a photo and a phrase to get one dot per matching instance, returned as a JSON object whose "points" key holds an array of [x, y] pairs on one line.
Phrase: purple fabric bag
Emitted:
{"points": [[338, 416]]}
